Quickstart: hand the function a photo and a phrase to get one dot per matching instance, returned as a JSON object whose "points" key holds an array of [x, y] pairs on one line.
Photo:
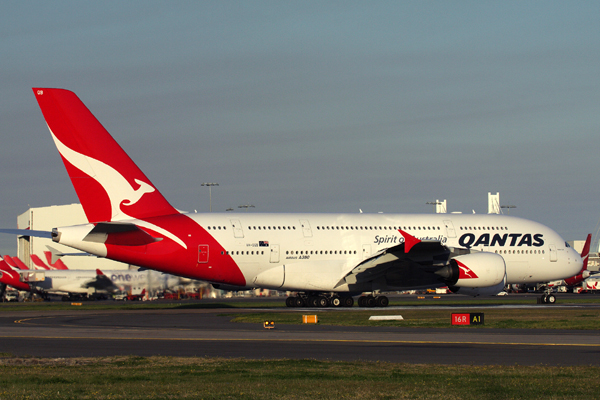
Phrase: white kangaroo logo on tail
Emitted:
{"points": [[119, 190]]}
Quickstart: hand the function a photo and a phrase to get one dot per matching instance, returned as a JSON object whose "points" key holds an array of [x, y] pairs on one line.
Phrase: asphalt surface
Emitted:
{"points": [[206, 332]]}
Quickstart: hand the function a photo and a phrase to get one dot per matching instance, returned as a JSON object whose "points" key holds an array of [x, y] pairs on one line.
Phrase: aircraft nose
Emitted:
{"points": [[577, 261]]}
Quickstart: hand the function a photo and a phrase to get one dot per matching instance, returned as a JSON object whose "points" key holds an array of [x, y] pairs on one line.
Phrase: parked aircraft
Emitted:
{"points": [[591, 284], [326, 258], [15, 262], [61, 282], [10, 277]]}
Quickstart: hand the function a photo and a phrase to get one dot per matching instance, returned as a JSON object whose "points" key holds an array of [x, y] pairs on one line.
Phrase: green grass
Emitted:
{"points": [[209, 378], [535, 318]]}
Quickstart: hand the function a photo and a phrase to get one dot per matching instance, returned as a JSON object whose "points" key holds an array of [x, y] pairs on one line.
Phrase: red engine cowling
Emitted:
{"points": [[478, 274]]}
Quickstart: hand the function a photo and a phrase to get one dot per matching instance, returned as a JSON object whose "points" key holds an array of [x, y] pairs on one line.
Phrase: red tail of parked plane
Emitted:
{"points": [[583, 274], [57, 265]]}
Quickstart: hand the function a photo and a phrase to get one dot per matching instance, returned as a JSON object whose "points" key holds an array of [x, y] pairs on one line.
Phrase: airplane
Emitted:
{"points": [[38, 263], [11, 277], [58, 264], [591, 284], [68, 283], [548, 297], [15, 262], [326, 258]]}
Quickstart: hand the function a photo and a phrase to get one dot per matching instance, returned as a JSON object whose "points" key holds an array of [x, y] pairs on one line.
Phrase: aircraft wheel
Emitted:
{"points": [[371, 302], [544, 299], [550, 299], [313, 301], [348, 302], [362, 301], [290, 302], [298, 302], [322, 301], [382, 301], [336, 301]]}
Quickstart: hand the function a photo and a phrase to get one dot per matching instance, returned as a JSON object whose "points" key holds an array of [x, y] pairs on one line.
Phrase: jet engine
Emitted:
{"points": [[475, 274]]}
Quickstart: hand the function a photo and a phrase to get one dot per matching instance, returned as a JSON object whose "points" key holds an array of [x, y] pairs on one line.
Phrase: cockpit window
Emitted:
{"points": [[567, 245]]}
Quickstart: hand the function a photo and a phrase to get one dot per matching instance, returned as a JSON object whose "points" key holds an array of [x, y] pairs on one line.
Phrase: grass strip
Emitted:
{"points": [[214, 378], [537, 318]]}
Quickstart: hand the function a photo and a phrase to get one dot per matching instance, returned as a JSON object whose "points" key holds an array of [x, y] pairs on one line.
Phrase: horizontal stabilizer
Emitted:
{"points": [[121, 234], [28, 232]]}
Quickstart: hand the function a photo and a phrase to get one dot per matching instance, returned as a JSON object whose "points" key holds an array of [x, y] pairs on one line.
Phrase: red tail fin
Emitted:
{"points": [[57, 265], [20, 264], [585, 253], [38, 263], [108, 183], [13, 263]]}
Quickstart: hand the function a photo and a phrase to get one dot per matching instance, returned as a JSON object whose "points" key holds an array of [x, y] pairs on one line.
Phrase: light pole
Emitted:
{"points": [[210, 185], [435, 204], [508, 207]]}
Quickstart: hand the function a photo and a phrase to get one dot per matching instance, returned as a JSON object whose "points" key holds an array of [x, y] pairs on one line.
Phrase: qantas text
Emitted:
{"points": [[508, 239]]}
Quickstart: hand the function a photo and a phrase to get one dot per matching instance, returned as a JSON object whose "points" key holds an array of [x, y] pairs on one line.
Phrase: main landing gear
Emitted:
{"points": [[547, 298], [373, 301], [334, 300]]}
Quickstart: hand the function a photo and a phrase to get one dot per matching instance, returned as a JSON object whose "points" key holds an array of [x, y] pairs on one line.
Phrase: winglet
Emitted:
{"points": [[409, 240]]}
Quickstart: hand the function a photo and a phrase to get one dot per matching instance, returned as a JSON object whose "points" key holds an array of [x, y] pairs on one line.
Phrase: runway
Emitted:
{"points": [[202, 332]]}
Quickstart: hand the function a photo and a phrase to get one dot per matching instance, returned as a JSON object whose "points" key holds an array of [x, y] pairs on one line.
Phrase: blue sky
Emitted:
{"points": [[316, 106]]}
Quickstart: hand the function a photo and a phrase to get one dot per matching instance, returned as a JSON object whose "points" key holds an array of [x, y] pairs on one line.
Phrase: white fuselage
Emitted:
{"points": [[314, 251], [259, 242]]}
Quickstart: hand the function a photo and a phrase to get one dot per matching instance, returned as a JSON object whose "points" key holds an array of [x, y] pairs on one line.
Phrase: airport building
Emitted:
{"points": [[46, 218], [130, 281]]}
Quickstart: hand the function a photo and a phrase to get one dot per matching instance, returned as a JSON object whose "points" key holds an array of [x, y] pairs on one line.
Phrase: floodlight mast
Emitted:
{"points": [[210, 185], [508, 207]]}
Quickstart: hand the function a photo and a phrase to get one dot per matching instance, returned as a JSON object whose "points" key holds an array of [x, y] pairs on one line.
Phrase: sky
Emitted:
{"points": [[315, 106]]}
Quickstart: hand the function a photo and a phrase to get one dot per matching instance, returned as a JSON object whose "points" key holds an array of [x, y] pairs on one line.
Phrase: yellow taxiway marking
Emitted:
{"points": [[305, 340]]}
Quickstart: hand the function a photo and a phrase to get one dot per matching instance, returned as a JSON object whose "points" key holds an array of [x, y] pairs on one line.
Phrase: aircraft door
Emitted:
{"points": [[450, 229], [237, 228], [553, 256], [306, 231], [274, 253], [366, 251], [202, 253]]}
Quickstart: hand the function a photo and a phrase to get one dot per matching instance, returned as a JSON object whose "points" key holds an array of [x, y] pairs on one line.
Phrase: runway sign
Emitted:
{"points": [[309, 319], [467, 319]]}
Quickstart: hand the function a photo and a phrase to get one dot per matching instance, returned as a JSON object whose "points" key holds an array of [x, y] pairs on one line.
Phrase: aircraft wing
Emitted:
{"points": [[412, 263]]}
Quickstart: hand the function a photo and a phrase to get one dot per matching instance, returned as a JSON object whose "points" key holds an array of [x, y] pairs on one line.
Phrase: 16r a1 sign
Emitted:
{"points": [[467, 319]]}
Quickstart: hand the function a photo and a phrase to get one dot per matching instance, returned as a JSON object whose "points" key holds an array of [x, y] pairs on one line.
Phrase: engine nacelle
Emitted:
{"points": [[480, 291], [477, 274]]}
